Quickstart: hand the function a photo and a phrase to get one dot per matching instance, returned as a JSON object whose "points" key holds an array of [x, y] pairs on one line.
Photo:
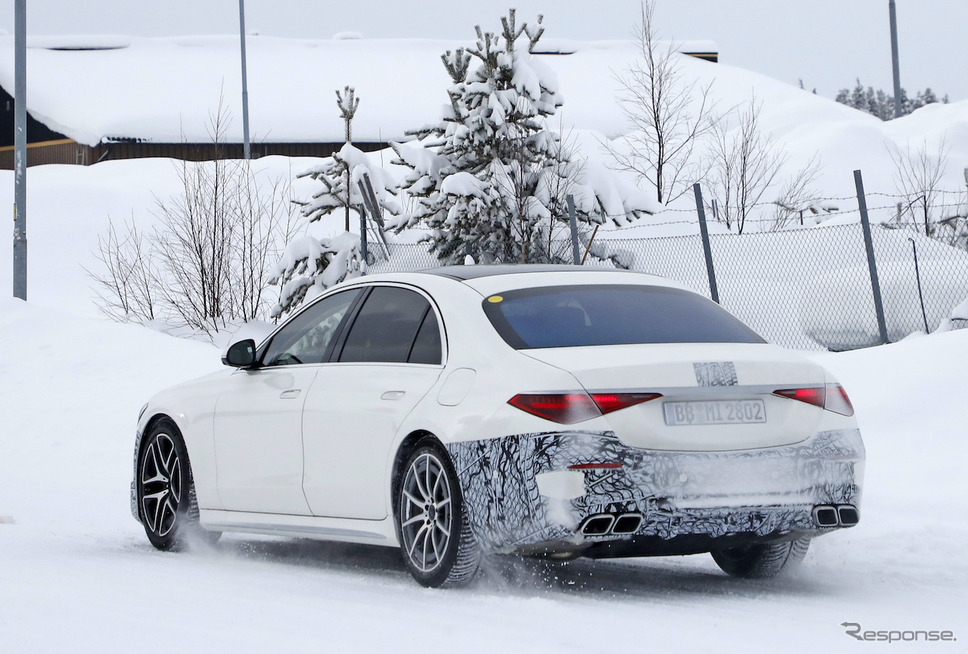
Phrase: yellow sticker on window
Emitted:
{"points": [[494, 299]]}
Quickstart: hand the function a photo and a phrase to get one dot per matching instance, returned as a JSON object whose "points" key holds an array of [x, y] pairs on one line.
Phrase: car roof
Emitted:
{"points": [[492, 278], [478, 271]]}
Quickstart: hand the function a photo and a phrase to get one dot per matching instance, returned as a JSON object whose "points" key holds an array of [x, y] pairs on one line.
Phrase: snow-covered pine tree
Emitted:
{"points": [[490, 179], [312, 264]]}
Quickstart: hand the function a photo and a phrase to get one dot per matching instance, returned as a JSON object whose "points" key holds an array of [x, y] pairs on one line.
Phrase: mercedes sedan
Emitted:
{"points": [[545, 411]]}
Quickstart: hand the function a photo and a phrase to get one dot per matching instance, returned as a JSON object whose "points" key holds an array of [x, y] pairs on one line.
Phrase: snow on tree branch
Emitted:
{"points": [[489, 180]]}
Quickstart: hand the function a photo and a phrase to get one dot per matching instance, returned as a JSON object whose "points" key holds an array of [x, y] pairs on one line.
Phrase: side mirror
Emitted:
{"points": [[240, 354]]}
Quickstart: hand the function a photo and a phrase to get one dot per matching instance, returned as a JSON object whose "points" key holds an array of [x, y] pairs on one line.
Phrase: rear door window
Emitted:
{"points": [[394, 325], [571, 316]]}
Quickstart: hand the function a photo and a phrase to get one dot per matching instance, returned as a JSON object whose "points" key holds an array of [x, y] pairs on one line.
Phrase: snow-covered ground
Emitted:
{"points": [[77, 574]]}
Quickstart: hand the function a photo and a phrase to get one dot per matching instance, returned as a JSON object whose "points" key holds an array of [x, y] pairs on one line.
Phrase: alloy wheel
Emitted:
{"points": [[161, 485], [426, 513]]}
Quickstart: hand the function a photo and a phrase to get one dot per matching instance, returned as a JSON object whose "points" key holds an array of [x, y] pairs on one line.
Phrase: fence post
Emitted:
{"points": [[917, 276], [869, 245], [710, 271], [366, 258], [573, 220]]}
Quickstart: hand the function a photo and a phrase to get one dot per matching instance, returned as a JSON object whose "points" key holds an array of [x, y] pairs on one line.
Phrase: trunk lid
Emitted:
{"points": [[715, 396]]}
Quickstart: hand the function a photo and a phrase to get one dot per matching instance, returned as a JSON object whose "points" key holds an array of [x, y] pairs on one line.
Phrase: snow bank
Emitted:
{"points": [[72, 553], [837, 309]]}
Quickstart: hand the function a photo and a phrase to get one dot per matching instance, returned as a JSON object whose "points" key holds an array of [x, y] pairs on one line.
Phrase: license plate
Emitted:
{"points": [[714, 412]]}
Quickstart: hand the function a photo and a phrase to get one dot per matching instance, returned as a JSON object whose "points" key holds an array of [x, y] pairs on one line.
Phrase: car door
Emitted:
{"points": [[258, 417], [391, 356]]}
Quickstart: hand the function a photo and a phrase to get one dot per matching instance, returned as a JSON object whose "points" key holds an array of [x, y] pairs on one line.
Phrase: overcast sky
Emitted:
{"points": [[826, 43]]}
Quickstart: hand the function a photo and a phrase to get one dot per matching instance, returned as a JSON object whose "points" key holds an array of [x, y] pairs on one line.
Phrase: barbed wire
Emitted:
{"points": [[815, 208]]}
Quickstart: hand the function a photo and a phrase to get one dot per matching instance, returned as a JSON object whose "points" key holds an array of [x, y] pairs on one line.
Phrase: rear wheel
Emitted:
{"points": [[166, 490], [438, 546], [761, 561]]}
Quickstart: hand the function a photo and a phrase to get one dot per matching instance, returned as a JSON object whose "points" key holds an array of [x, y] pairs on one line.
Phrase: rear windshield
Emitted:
{"points": [[570, 316]]}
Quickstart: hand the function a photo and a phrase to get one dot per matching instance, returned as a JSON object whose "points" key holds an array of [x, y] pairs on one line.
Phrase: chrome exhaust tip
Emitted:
{"points": [[627, 523], [848, 515], [825, 515], [597, 525]]}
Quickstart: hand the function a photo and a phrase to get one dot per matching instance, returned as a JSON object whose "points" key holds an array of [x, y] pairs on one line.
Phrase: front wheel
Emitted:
{"points": [[166, 490], [438, 546], [761, 561]]}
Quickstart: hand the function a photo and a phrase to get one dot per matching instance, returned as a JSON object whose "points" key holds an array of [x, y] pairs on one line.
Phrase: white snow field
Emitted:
{"points": [[77, 573]]}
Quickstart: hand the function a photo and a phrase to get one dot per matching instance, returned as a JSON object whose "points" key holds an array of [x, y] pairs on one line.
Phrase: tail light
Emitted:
{"points": [[609, 402], [570, 408], [837, 400], [831, 397]]}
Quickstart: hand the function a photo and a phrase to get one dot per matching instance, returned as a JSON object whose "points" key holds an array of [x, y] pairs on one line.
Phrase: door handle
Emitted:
{"points": [[393, 395], [292, 393]]}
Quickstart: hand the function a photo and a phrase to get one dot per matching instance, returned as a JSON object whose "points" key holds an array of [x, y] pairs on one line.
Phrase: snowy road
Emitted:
{"points": [[77, 574]]}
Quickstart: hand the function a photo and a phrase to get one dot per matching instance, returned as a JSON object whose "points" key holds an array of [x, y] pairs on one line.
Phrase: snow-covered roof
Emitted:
{"points": [[166, 90]]}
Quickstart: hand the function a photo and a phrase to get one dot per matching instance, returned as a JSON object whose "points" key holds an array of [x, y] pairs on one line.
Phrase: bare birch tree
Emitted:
{"points": [[744, 163], [668, 113], [797, 197], [917, 176]]}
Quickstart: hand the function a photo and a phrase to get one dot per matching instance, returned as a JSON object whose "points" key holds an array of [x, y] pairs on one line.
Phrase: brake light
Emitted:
{"points": [[814, 395], [608, 402], [569, 408], [831, 397], [563, 408]]}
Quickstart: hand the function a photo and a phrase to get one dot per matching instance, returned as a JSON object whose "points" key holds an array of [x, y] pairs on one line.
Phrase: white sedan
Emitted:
{"points": [[539, 410]]}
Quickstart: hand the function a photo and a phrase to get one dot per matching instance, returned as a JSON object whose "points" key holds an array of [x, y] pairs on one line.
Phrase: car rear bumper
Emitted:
{"points": [[573, 490]]}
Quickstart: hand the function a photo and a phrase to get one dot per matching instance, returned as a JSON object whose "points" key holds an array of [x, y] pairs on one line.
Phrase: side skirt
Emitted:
{"points": [[369, 532]]}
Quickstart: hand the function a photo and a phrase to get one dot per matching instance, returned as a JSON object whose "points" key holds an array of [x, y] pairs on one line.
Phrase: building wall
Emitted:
{"points": [[37, 132], [61, 151], [66, 151]]}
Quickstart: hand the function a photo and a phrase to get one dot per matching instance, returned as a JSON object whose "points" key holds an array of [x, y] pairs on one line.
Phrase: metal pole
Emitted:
{"points": [[707, 248], [573, 220], [20, 152], [247, 153], [363, 243], [894, 60], [917, 276], [869, 245]]}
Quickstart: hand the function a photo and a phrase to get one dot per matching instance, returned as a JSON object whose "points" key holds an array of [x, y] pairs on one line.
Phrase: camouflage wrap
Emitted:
{"points": [[759, 491]]}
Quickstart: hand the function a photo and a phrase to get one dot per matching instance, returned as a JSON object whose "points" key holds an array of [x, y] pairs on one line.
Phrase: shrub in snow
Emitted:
{"points": [[311, 265], [490, 179], [204, 270]]}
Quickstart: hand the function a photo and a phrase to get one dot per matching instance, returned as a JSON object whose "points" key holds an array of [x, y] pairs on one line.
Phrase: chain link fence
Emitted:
{"points": [[811, 288], [808, 288]]}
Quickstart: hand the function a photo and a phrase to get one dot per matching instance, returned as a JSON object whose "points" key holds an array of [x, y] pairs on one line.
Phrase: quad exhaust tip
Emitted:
{"points": [[603, 524], [839, 515]]}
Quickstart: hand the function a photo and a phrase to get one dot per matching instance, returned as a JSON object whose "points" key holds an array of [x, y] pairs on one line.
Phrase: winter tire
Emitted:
{"points": [[761, 561], [166, 490], [437, 544]]}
